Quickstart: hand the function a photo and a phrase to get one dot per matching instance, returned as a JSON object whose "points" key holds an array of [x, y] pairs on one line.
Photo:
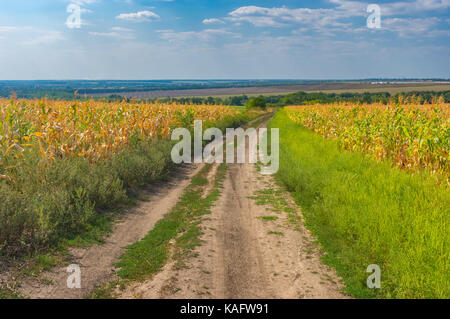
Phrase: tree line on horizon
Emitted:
{"points": [[301, 98], [297, 98]]}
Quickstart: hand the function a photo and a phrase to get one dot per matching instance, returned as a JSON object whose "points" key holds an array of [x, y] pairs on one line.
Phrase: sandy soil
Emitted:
{"points": [[239, 258]]}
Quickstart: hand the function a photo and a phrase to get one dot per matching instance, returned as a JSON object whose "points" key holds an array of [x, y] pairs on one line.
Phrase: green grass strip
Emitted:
{"points": [[181, 224], [365, 212]]}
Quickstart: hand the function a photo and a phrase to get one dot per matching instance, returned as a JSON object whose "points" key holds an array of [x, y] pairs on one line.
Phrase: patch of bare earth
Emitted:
{"points": [[244, 256], [97, 262]]}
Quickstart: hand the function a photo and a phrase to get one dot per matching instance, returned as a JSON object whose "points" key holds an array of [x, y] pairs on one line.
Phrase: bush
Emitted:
{"points": [[257, 102], [61, 200]]}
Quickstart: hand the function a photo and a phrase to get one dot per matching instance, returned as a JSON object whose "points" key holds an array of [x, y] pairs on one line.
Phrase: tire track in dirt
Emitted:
{"points": [[243, 274], [243, 256]]}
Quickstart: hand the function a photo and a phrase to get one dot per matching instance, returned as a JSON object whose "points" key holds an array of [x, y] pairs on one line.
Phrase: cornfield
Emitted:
{"points": [[91, 129], [413, 136]]}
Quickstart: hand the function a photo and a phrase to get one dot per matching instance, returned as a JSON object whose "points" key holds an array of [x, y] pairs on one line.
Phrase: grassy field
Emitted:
{"points": [[365, 212]]}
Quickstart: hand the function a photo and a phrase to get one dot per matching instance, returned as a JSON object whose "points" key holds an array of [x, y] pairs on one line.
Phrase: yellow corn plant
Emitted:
{"points": [[90, 129], [414, 136]]}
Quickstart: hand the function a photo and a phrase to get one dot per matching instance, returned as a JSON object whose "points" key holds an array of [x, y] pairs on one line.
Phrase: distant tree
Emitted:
{"points": [[366, 98], [295, 98], [197, 100], [210, 100], [447, 97], [218, 101], [257, 102], [238, 100]]}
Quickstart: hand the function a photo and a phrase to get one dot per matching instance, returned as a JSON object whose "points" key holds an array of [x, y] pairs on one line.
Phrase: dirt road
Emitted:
{"points": [[97, 262], [253, 246]]}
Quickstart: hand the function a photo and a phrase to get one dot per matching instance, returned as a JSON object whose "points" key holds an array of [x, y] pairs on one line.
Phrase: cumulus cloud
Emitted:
{"points": [[281, 16], [335, 19], [84, 2], [276, 17], [213, 21], [140, 16], [410, 26], [392, 8]]}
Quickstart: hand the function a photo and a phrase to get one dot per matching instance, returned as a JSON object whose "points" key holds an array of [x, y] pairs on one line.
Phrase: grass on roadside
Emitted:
{"points": [[269, 218], [272, 232], [175, 236], [276, 202], [7, 293], [65, 201], [178, 232], [365, 212]]}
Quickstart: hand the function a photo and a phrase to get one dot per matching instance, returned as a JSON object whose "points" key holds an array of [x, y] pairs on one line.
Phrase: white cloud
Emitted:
{"points": [[140, 16], [120, 29], [277, 17], [414, 7], [116, 32], [45, 37], [116, 35], [331, 20], [213, 21], [204, 35], [393, 8], [84, 2], [411, 26]]}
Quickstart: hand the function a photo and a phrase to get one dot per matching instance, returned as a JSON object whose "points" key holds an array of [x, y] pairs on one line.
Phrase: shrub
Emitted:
{"points": [[257, 102]]}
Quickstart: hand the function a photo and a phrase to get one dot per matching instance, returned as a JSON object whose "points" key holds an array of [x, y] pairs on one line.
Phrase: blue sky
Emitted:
{"points": [[223, 39]]}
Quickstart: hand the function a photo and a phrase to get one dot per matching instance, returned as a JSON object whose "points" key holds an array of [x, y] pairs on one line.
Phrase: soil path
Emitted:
{"points": [[96, 262], [250, 249], [254, 245]]}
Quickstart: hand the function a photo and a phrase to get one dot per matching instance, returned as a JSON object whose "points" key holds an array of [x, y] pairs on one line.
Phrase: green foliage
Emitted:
{"points": [[257, 103], [304, 98], [365, 212], [301, 98], [146, 257], [65, 199], [7, 293], [447, 97]]}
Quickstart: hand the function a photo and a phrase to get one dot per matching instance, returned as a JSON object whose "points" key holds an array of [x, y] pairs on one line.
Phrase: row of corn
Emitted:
{"points": [[413, 136], [90, 129]]}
